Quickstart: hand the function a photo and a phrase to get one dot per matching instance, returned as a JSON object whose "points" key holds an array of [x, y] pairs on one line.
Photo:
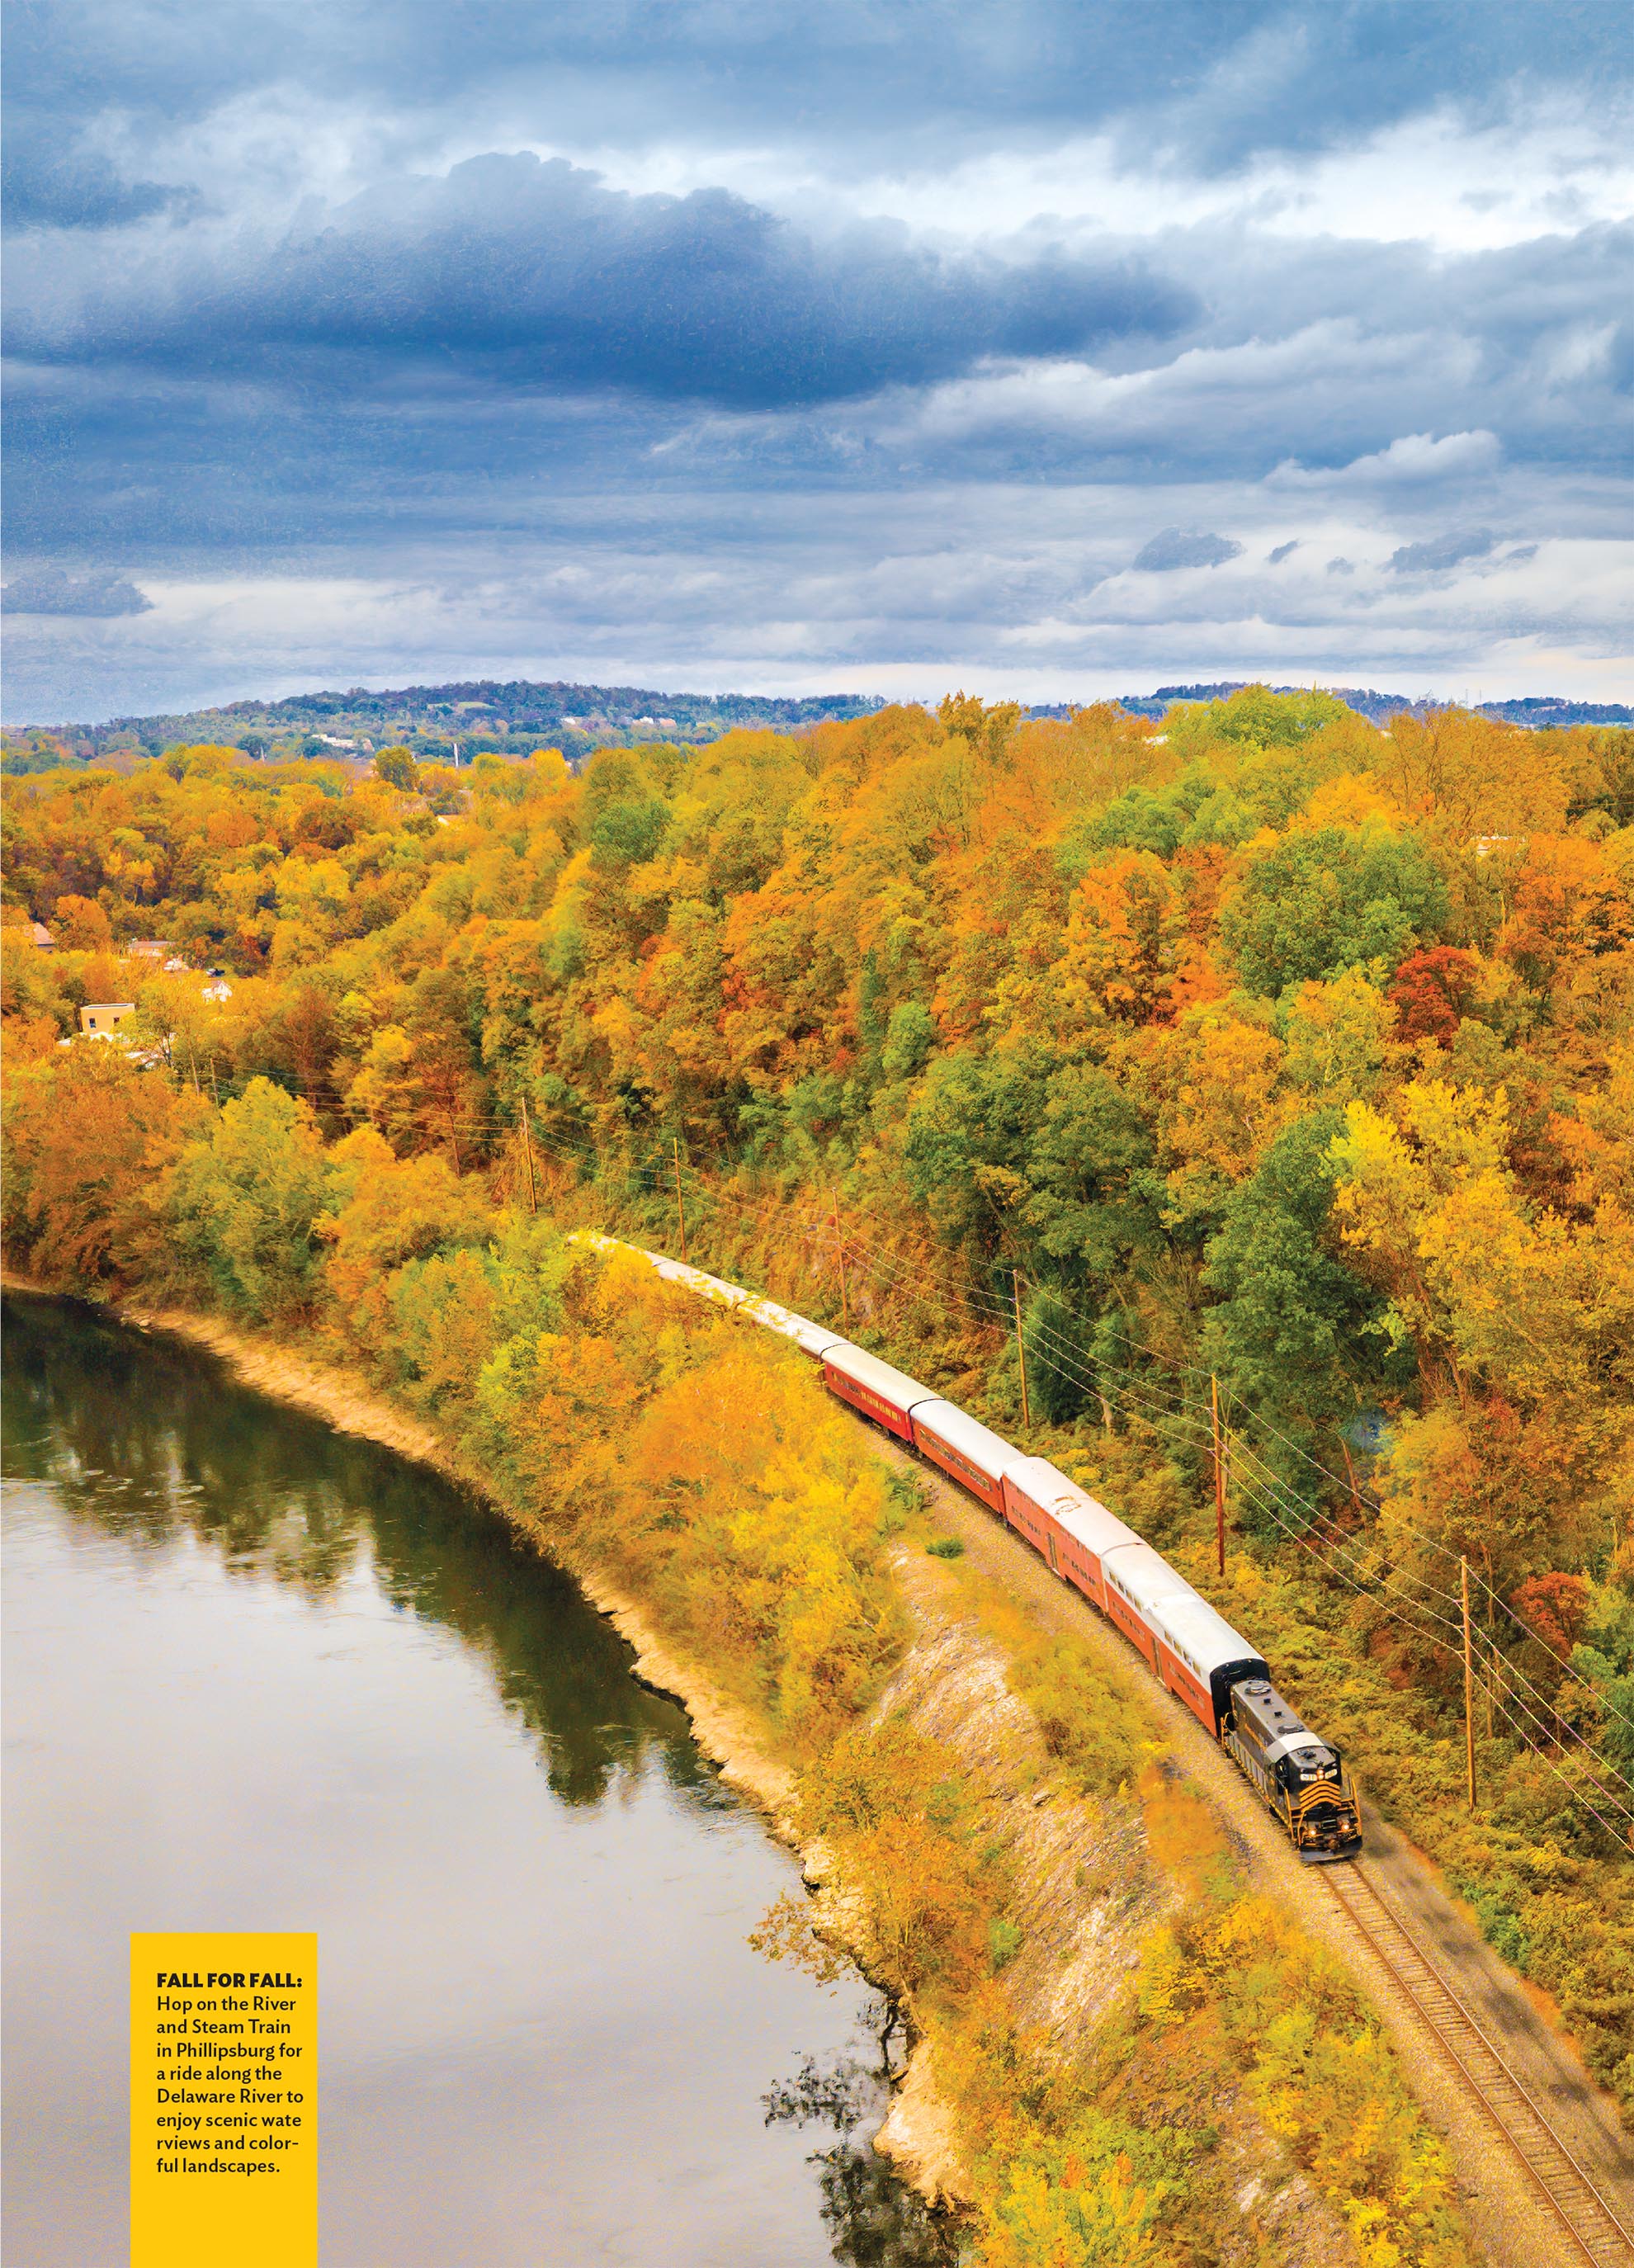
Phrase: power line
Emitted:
{"points": [[1263, 1493]]}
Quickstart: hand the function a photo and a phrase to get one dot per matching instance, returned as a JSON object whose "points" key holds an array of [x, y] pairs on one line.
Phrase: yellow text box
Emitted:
{"points": [[223, 2097]]}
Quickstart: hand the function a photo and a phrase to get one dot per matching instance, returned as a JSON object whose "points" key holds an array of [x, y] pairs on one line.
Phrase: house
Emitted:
{"points": [[217, 988], [149, 948], [42, 936], [99, 1019]]}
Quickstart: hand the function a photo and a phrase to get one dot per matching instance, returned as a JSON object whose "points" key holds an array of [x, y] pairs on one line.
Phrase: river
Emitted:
{"points": [[262, 1675]]}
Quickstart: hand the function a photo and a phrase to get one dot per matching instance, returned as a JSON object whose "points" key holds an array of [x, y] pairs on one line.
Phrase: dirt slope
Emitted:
{"points": [[1502, 2208], [1079, 1947]]}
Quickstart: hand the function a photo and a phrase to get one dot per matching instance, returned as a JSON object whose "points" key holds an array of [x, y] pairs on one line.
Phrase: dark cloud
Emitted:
{"points": [[541, 274], [1440, 552], [1174, 547], [266, 375], [1207, 81], [46, 182], [1341, 567], [54, 591]]}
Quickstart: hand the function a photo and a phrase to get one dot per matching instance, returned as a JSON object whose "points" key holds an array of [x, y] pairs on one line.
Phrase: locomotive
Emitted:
{"points": [[1190, 1648]]}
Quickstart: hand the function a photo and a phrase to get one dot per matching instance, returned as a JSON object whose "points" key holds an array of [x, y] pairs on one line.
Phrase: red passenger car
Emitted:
{"points": [[963, 1447], [1201, 1658], [885, 1394], [1063, 1523]]}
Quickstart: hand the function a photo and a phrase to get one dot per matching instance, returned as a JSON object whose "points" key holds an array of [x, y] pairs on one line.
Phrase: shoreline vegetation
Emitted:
{"points": [[992, 1836], [1264, 1047]]}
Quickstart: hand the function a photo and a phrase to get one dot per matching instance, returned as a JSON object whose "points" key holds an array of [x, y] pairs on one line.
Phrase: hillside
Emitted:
{"points": [[478, 717], [487, 717]]}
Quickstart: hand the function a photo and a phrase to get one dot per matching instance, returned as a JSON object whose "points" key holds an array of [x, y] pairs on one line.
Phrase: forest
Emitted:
{"points": [[1096, 1069]]}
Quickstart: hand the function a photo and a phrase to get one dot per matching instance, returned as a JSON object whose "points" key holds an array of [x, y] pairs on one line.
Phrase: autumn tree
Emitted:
{"points": [[247, 1197], [91, 1143]]}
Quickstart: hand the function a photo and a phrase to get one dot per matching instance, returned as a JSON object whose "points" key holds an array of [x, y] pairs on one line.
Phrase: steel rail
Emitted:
{"points": [[1559, 2178]]}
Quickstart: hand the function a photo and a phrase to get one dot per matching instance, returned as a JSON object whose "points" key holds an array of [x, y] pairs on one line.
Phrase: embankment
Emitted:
{"points": [[1104, 1988]]}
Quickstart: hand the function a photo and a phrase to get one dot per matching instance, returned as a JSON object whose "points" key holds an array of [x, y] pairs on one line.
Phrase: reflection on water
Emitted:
{"points": [[263, 1675], [875, 2223], [148, 1437]]}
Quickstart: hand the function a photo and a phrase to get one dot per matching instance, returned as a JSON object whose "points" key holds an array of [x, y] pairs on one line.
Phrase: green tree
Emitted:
{"points": [[1290, 1332], [1085, 1161], [908, 1040], [247, 1199], [1319, 900], [398, 768]]}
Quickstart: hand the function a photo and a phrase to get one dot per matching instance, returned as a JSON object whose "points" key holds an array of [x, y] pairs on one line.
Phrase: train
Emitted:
{"points": [[1193, 1651]]}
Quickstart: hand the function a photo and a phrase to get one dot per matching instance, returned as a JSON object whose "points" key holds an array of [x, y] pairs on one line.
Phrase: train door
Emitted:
{"points": [[1050, 1545]]}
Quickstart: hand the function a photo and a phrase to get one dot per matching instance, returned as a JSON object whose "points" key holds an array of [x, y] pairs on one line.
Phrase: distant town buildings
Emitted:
{"points": [[99, 1019]]}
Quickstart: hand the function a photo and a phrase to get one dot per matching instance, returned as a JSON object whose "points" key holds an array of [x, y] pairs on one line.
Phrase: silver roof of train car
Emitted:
{"points": [[893, 1386], [989, 1452], [1145, 1576], [1203, 1638], [810, 1337], [1087, 1522]]}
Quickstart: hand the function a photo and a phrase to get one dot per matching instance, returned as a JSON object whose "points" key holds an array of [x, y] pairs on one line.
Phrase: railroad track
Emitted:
{"points": [[1583, 2213]]}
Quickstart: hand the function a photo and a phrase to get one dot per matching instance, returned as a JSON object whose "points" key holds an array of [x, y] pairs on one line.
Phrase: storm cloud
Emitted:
{"points": [[347, 337], [539, 272], [50, 591]]}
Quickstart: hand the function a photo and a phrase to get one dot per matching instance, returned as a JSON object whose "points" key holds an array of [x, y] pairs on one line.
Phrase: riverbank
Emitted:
{"points": [[918, 2134], [532, 1892], [1084, 1966], [347, 1402], [1093, 1876]]}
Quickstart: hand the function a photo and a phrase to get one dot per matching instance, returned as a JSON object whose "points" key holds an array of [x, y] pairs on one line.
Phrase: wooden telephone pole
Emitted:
{"points": [[1015, 1285], [680, 1215], [527, 1151], [1469, 1687], [839, 1246], [1219, 1479]]}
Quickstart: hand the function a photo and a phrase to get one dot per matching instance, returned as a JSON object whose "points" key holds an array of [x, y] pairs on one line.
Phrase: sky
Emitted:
{"points": [[1046, 349]]}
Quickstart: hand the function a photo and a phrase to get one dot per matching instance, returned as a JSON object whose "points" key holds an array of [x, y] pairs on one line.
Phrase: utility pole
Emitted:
{"points": [[839, 1246], [1469, 1695], [681, 1216], [1219, 1479], [1015, 1285], [527, 1151]]}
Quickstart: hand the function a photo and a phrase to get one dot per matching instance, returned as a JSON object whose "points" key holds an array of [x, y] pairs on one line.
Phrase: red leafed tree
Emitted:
{"points": [[1553, 1608], [1431, 990]]}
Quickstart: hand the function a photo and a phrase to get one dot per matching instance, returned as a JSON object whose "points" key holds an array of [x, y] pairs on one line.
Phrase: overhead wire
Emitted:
{"points": [[1264, 1498], [1263, 1494], [1143, 1399]]}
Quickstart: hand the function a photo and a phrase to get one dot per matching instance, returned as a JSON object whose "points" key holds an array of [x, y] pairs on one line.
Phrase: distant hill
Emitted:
{"points": [[479, 715], [486, 716], [1538, 709]]}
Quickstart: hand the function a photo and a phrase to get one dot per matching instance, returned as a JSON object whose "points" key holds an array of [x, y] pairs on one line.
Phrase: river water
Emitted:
{"points": [[262, 1675]]}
